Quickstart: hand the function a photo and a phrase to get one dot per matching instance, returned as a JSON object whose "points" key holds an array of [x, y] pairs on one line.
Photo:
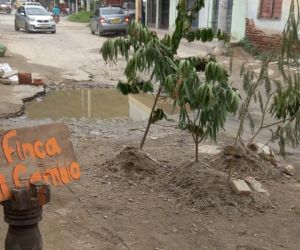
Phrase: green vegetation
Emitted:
{"points": [[82, 17], [2, 50], [253, 50], [249, 47], [279, 98], [204, 99]]}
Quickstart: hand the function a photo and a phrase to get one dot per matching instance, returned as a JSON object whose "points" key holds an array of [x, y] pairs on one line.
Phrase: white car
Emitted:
{"points": [[32, 4], [34, 19]]}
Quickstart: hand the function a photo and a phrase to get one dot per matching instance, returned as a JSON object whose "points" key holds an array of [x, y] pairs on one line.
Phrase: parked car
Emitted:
{"points": [[5, 6], [32, 4], [34, 19], [109, 19]]}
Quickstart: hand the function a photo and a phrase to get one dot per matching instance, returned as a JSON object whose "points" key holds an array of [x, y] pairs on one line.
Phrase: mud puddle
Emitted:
{"points": [[93, 104]]}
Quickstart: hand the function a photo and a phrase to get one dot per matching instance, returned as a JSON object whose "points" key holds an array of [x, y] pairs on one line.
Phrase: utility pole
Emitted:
{"points": [[138, 10]]}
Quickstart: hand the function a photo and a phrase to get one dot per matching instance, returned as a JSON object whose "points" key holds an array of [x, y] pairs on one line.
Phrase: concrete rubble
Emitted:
{"points": [[12, 94], [264, 152], [240, 187], [256, 186], [289, 170], [8, 75]]}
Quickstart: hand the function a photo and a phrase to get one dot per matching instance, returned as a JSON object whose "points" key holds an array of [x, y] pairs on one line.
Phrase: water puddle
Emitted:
{"points": [[93, 104]]}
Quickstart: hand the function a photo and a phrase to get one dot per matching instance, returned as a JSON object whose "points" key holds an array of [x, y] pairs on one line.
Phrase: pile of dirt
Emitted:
{"points": [[208, 189], [245, 163], [133, 164], [202, 186]]}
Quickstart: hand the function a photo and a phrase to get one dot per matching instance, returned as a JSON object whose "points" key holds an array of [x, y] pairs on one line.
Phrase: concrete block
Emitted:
{"points": [[240, 187], [256, 186], [262, 148]]}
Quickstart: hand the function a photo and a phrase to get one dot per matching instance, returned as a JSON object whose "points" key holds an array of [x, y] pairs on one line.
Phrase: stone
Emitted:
{"points": [[237, 152], [209, 149], [218, 51], [253, 147], [256, 186], [240, 187], [289, 170], [264, 148]]}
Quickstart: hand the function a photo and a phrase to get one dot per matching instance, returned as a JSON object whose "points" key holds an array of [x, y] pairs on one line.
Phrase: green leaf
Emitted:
{"points": [[261, 104], [251, 122], [158, 115]]}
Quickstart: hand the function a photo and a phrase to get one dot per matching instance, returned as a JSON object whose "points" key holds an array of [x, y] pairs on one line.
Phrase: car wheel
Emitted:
{"points": [[16, 27], [53, 32], [26, 28], [99, 32]]}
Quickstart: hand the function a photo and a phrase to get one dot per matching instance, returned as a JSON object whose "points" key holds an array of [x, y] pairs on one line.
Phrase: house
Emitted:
{"points": [[265, 21], [226, 14], [261, 21]]}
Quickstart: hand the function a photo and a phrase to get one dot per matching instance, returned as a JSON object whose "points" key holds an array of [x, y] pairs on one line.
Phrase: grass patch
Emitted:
{"points": [[82, 17], [253, 50]]}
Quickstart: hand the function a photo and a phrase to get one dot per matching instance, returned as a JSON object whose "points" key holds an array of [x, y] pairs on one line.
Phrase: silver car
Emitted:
{"points": [[34, 19], [109, 19]]}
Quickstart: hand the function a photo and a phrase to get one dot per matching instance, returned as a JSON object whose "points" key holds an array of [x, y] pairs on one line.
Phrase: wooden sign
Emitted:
{"points": [[42, 153]]}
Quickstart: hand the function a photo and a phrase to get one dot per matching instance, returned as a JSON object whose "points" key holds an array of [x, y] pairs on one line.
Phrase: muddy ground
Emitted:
{"points": [[127, 200]]}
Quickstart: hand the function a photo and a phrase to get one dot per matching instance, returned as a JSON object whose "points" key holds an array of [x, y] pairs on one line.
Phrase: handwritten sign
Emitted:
{"points": [[42, 153]]}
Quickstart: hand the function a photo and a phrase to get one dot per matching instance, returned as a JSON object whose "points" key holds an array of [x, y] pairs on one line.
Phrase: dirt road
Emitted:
{"points": [[127, 201], [71, 53]]}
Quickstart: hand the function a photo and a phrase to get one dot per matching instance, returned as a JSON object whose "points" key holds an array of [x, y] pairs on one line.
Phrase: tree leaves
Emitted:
{"points": [[158, 115], [135, 87], [204, 105]]}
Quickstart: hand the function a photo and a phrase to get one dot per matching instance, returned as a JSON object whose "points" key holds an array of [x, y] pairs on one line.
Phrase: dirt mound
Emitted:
{"points": [[134, 164], [202, 186], [246, 163], [208, 189]]}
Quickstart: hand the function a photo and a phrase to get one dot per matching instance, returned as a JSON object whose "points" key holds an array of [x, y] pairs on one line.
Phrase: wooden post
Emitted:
{"points": [[23, 212]]}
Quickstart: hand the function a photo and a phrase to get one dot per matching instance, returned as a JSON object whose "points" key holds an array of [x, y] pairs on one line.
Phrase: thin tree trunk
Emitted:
{"points": [[150, 117], [197, 148]]}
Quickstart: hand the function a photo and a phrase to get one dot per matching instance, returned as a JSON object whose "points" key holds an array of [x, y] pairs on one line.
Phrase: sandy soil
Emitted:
{"points": [[124, 200]]}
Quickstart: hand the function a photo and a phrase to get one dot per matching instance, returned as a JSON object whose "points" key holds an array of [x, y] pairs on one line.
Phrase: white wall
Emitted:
{"points": [[268, 25], [204, 15], [238, 24], [172, 14]]}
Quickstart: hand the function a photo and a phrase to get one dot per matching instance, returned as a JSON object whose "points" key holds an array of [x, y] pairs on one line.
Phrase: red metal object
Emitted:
{"points": [[37, 82]]}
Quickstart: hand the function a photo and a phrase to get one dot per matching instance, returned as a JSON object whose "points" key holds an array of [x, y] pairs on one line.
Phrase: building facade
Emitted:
{"points": [[228, 15], [265, 20], [261, 21]]}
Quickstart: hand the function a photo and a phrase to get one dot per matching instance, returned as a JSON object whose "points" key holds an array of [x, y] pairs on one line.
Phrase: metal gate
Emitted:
{"points": [[229, 16], [151, 13], [164, 14]]}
